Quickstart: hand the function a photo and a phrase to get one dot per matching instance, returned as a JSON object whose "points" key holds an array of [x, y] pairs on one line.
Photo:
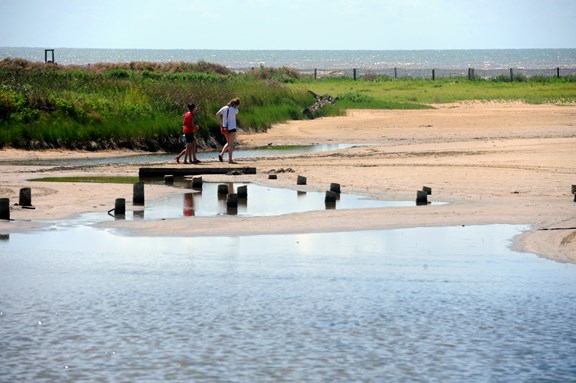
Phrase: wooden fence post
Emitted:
{"points": [[433, 74], [138, 193], [558, 72], [511, 74], [354, 74], [315, 74], [5, 208], [25, 197]]}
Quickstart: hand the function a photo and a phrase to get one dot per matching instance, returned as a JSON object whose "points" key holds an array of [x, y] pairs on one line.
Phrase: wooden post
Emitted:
{"points": [[5, 208], [511, 74], [120, 206], [354, 74], [138, 193], [395, 72], [427, 189], [421, 198], [315, 74], [573, 189], [272, 176], [25, 197], [558, 72], [222, 189], [242, 192], [168, 179], [232, 201], [335, 188], [433, 74], [330, 197], [301, 180], [197, 182]]}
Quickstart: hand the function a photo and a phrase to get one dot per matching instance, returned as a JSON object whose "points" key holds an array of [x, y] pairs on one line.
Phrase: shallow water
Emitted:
{"points": [[170, 157], [260, 201], [408, 305]]}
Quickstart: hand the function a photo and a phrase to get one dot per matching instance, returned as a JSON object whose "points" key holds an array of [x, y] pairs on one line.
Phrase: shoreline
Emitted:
{"points": [[494, 163]]}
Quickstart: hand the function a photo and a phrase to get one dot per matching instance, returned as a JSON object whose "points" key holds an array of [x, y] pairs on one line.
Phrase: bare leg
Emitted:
{"points": [[230, 143]]}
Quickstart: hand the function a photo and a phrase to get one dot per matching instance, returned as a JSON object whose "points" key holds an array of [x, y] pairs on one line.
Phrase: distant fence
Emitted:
{"points": [[407, 73]]}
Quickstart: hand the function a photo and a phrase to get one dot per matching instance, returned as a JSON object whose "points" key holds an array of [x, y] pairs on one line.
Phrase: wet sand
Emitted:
{"points": [[495, 163]]}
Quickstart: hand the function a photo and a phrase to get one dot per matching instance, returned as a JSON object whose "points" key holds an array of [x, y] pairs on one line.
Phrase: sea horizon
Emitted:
{"points": [[529, 58]]}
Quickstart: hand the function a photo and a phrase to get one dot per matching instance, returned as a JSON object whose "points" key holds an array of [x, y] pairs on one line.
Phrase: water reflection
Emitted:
{"points": [[257, 200], [429, 304]]}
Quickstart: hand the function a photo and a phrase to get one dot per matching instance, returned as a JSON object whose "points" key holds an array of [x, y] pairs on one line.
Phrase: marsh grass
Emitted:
{"points": [[140, 105]]}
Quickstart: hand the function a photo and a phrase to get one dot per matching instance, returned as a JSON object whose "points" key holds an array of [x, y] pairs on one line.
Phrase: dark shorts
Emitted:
{"points": [[190, 138], [232, 130]]}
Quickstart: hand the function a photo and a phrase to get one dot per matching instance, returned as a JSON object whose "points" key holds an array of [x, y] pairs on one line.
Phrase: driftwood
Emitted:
{"points": [[321, 101]]}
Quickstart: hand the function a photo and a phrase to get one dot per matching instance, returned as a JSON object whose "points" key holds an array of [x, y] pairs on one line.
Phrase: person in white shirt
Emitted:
{"points": [[226, 116]]}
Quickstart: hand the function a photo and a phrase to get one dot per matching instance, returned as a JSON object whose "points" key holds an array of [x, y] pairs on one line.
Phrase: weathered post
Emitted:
{"points": [[433, 74], [354, 74], [138, 193], [395, 72], [421, 198], [197, 182], [427, 189], [168, 179], [120, 206], [511, 74], [301, 180], [232, 201], [25, 197], [558, 72], [272, 176], [573, 189], [5, 208], [330, 199], [222, 189], [335, 188], [242, 192], [315, 74]]}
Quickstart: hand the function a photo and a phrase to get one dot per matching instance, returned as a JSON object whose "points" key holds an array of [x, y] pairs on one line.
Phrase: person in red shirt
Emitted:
{"points": [[189, 126]]}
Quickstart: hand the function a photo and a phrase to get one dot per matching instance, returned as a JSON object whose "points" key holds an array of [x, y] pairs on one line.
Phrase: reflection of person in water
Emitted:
{"points": [[188, 204]]}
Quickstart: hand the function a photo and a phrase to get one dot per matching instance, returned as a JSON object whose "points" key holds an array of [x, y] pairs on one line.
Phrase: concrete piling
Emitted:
{"points": [[138, 194], [25, 197]]}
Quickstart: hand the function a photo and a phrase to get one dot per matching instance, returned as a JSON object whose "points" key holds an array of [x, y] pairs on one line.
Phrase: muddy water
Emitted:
{"points": [[413, 305]]}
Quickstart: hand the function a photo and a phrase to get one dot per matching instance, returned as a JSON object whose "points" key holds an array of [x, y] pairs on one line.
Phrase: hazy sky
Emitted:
{"points": [[289, 24]]}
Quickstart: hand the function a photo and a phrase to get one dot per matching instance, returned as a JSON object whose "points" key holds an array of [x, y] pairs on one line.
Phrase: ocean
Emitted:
{"points": [[482, 59]]}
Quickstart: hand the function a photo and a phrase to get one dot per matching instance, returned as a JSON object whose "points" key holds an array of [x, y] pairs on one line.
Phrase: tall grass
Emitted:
{"points": [[140, 105]]}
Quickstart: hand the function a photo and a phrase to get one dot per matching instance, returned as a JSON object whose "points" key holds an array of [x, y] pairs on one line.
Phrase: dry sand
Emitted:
{"points": [[494, 163]]}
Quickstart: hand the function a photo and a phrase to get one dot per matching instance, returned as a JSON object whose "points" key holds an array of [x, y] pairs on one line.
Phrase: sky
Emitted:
{"points": [[290, 24]]}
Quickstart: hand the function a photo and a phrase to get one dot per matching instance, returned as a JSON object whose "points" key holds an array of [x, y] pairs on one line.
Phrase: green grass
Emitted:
{"points": [[140, 105]]}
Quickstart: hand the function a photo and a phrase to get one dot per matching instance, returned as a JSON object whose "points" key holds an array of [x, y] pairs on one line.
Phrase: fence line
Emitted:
{"points": [[469, 73], [407, 73]]}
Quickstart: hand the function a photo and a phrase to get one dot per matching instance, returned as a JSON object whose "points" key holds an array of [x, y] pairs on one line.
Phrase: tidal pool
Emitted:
{"points": [[451, 304]]}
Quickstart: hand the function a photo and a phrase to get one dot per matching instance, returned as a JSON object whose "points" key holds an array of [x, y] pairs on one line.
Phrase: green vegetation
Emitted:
{"points": [[139, 105]]}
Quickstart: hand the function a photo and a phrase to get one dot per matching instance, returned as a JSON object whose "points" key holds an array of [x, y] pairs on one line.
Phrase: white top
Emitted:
{"points": [[228, 116]]}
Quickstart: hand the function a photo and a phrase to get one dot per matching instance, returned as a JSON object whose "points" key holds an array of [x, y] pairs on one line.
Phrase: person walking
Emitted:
{"points": [[189, 126], [226, 116]]}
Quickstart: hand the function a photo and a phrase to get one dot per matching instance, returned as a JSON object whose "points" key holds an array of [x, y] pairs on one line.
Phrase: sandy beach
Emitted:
{"points": [[493, 163]]}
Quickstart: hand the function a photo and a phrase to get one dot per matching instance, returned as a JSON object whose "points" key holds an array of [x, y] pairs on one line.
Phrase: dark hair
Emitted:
{"points": [[191, 106], [234, 102]]}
